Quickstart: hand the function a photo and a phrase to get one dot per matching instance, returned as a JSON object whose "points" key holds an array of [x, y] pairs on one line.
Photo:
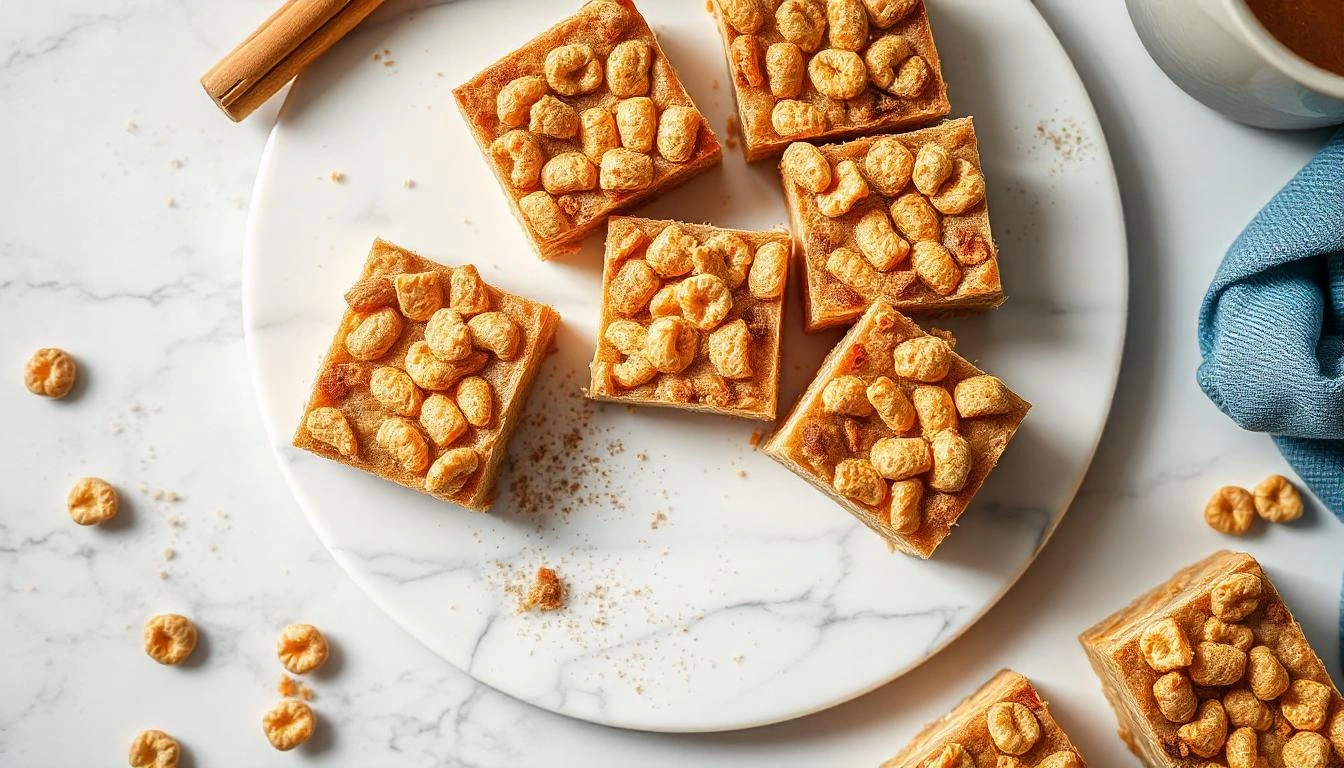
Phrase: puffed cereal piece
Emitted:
{"points": [[704, 300], [632, 287], [476, 400], [951, 461], [1277, 500], [858, 480], [923, 358], [447, 336], [400, 438], [568, 172], [497, 333], [154, 749], [848, 188], [730, 350], [899, 458], [169, 638], [981, 396], [544, 215], [395, 391], [91, 501], [442, 419], [288, 724], [804, 165], [1013, 727], [678, 131], [768, 269], [625, 170], [628, 69], [451, 471], [1230, 510], [50, 372], [907, 496], [671, 344], [846, 395], [515, 100], [573, 70], [375, 334], [301, 648], [637, 123], [784, 69]]}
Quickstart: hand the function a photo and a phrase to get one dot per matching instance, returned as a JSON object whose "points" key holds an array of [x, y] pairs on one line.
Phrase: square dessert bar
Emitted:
{"points": [[1005, 724], [587, 119], [902, 218], [1211, 668], [829, 69], [427, 376], [691, 317], [898, 429]]}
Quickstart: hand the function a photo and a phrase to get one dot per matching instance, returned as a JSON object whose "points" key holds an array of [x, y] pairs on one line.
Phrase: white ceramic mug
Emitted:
{"points": [[1219, 53]]}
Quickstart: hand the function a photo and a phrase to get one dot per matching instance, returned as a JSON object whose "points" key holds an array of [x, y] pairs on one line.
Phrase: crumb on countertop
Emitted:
{"points": [[337, 176], [755, 440], [291, 688], [547, 592]]}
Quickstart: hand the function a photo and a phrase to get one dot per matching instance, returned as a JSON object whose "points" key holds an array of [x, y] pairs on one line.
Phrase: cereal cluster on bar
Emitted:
{"points": [[587, 118], [1211, 669], [426, 375], [829, 68], [1005, 724], [691, 317], [899, 217], [899, 429]]}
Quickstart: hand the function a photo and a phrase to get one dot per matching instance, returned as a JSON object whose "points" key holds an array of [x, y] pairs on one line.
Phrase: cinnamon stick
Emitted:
{"points": [[284, 44]]}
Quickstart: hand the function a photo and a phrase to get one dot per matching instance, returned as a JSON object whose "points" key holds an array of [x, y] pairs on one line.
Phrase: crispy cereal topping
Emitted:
{"points": [[1165, 647], [519, 156], [374, 335], [404, 442], [923, 358], [1175, 697], [452, 470], [418, 295], [515, 100], [573, 70], [848, 188], [1013, 727], [1207, 733], [395, 391], [678, 132], [784, 68], [858, 480], [442, 420], [628, 69]]}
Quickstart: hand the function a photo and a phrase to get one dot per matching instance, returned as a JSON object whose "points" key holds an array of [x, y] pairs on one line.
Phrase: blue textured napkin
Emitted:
{"points": [[1271, 329]]}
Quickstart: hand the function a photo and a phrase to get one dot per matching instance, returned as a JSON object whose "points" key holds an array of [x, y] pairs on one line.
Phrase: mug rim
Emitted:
{"points": [[1280, 56]]}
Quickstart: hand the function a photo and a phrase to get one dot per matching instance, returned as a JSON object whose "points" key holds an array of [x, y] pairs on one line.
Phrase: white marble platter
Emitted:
{"points": [[711, 589]]}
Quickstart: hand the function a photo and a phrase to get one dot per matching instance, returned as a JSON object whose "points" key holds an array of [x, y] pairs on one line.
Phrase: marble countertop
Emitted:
{"points": [[120, 236]]}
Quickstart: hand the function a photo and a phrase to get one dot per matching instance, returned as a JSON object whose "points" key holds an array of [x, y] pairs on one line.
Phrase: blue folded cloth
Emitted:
{"points": [[1271, 328]]}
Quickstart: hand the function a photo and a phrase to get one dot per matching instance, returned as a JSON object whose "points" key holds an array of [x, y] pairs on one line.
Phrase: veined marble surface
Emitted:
{"points": [[120, 234]]}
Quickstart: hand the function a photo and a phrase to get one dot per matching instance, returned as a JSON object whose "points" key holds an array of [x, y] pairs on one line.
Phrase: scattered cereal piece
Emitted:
{"points": [[288, 724], [91, 501], [50, 372], [547, 592], [301, 648], [154, 749], [1231, 510], [337, 176], [169, 638], [1277, 500]]}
